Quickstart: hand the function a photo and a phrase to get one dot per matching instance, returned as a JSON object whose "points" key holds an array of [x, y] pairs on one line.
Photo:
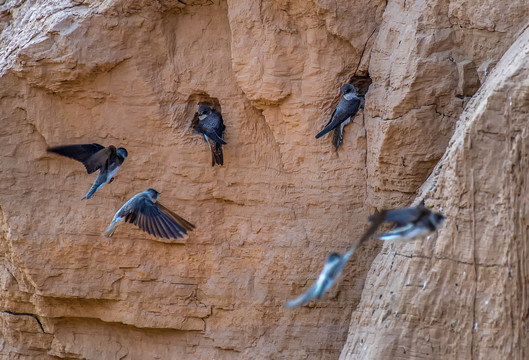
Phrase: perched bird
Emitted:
{"points": [[210, 125], [95, 157], [149, 215], [411, 222], [333, 267], [342, 115]]}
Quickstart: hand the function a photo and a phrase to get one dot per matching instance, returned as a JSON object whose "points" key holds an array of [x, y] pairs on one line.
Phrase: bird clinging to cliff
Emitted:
{"points": [[210, 125], [95, 157], [411, 222], [333, 267], [144, 210], [342, 115]]}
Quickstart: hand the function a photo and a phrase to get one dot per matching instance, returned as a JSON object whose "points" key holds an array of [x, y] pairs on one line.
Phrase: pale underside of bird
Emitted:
{"points": [[144, 211], [95, 157]]}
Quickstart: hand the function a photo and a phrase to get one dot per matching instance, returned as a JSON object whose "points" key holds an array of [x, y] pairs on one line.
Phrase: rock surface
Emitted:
{"points": [[131, 72]]}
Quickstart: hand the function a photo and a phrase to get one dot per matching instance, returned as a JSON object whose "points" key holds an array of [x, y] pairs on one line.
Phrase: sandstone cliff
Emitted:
{"points": [[130, 73]]}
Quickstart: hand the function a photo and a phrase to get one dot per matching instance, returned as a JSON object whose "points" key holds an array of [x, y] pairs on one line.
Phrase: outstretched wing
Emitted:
{"points": [[154, 220], [181, 221], [376, 220], [331, 270], [304, 298], [90, 155], [405, 216]]}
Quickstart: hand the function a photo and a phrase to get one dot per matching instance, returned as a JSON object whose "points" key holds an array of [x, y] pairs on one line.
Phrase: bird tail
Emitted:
{"points": [[218, 156], [300, 300], [97, 184], [112, 227], [337, 137]]}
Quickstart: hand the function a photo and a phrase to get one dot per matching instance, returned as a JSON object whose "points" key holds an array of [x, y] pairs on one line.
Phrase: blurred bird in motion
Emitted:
{"points": [[411, 222], [333, 267], [94, 157], [149, 215]]}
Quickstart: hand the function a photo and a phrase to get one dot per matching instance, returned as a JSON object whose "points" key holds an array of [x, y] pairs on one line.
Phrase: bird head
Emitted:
{"points": [[203, 111], [153, 194], [122, 152], [348, 91]]}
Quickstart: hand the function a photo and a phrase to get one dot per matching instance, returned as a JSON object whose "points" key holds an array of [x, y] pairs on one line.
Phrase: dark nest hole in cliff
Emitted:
{"points": [[202, 98], [362, 84]]}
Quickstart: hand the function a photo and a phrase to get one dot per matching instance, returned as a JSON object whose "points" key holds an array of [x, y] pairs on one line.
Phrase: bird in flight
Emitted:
{"points": [[333, 267], [411, 222], [94, 157], [144, 211]]}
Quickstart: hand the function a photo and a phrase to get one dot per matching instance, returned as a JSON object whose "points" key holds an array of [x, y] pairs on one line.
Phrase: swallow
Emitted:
{"points": [[412, 222], [144, 210], [94, 157], [210, 125], [342, 115], [334, 265]]}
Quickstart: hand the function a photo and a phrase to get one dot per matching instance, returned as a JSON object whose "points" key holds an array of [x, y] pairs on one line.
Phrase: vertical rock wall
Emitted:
{"points": [[130, 73]]}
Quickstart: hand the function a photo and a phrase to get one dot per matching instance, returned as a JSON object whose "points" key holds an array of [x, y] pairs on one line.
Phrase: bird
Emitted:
{"points": [[211, 126], [411, 222], [144, 210], [334, 265], [342, 115], [94, 157]]}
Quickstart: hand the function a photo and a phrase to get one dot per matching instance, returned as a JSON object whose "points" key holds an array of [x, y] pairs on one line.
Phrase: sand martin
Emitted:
{"points": [[411, 222], [149, 215], [334, 265], [95, 157], [342, 115], [210, 125]]}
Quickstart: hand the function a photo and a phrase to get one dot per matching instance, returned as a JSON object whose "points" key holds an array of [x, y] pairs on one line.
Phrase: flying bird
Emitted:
{"points": [[342, 115], [210, 125], [95, 157], [334, 265], [412, 222], [149, 215]]}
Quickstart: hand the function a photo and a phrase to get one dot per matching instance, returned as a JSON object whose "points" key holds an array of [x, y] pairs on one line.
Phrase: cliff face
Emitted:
{"points": [[131, 73]]}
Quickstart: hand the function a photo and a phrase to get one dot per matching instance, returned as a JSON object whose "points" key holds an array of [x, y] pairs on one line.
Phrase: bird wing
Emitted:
{"points": [[153, 220], [330, 271], [405, 216], [101, 159], [303, 298], [82, 153], [181, 221], [343, 111], [213, 127], [376, 220]]}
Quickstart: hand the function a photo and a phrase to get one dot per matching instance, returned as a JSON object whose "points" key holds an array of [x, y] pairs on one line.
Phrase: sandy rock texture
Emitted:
{"points": [[461, 293], [131, 72]]}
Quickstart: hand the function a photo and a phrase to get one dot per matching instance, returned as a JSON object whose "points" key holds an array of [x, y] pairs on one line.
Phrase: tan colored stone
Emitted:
{"points": [[131, 72]]}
